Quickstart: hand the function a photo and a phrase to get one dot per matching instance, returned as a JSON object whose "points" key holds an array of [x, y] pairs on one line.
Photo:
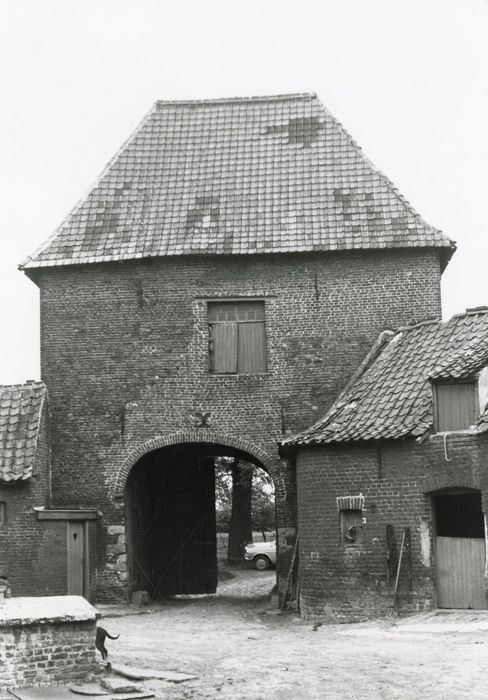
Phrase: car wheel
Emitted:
{"points": [[261, 562]]}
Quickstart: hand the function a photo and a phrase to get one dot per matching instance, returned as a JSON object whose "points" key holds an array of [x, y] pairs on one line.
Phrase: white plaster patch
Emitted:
{"points": [[425, 544], [483, 388], [486, 548]]}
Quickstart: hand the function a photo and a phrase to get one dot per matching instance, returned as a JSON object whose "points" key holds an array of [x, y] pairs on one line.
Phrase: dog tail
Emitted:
{"points": [[110, 636]]}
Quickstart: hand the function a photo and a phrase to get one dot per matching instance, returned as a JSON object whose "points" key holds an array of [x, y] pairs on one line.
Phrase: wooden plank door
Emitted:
{"points": [[195, 564], [182, 552], [76, 557], [460, 567]]}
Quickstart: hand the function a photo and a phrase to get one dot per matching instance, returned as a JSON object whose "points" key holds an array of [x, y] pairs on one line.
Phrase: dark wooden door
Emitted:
{"points": [[177, 530], [76, 558], [171, 524], [194, 543]]}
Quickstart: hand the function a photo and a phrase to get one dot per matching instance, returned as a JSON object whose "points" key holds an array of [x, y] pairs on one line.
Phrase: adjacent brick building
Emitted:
{"points": [[24, 484], [214, 292], [34, 536], [392, 482]]}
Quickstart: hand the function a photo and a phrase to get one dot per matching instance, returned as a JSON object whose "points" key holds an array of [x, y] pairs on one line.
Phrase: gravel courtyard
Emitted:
{"points": [[238, 647]]}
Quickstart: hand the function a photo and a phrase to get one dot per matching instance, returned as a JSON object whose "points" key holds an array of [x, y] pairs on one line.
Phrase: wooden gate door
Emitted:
{"points": [[460, 564], [76, 558], [182, 531], [195, 566]]}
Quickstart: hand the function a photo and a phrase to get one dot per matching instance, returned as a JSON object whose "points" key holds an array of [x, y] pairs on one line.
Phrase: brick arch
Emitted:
{"points": [[449, 480], [188, 437]]}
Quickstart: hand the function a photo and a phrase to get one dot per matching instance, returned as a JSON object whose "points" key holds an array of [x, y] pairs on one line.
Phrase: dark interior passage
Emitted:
{"points": [[459, 515], [171, 519], [171, 523]]}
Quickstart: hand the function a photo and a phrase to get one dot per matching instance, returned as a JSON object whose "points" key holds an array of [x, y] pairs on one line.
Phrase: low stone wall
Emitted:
{"points": [[46, 640]]}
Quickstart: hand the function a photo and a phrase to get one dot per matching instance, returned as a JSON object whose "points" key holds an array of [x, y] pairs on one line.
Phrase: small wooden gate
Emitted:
{"points": [[460, 563]]}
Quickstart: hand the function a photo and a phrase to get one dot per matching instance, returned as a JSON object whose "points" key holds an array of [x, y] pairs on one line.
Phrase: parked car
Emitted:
{"points": [[262, 554]]}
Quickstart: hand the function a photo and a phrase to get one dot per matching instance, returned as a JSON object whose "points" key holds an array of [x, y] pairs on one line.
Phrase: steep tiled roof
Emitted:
{"points": [[391, 396], [20, 415], [244, 175]]}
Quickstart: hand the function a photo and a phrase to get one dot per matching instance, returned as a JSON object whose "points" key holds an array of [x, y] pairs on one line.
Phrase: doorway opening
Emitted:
{"points": [[460, 549], [174, 529]]}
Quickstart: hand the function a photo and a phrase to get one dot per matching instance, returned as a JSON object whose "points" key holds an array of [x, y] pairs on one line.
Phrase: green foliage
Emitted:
{"points": [[263, 501]]}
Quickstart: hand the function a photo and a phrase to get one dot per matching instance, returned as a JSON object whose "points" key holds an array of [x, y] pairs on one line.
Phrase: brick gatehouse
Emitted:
{"points": [[212, 294]]}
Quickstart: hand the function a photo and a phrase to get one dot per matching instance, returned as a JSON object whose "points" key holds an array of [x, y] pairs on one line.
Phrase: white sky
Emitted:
{"points": [[407, 78]]}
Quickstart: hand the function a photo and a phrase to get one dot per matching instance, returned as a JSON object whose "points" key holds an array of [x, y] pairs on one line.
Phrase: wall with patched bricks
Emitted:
{"points": [[352, 583], [124, 353]]}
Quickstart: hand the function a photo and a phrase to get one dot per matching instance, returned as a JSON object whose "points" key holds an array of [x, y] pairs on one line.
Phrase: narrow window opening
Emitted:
{"points": [[3, 515], [351, 527]]}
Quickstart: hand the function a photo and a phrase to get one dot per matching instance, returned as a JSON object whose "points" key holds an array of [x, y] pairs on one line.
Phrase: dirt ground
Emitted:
{"points": [[239, 648]]}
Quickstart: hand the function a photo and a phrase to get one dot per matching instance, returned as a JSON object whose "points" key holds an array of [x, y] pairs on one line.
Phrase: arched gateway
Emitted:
{"points": [[170, 510]]}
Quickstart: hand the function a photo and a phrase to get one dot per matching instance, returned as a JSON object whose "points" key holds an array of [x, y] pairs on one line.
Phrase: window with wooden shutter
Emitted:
{"points": [[237, 339], [455, 406], [3, 515]]}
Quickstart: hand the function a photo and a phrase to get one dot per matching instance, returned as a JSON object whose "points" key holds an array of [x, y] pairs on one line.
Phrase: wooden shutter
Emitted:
{"points": [[224, 342], [251, 351], [455, 406]]}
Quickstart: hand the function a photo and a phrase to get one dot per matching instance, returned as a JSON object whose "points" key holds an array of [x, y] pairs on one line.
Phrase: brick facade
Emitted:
{"points": [[124, 353], [397, 480]]}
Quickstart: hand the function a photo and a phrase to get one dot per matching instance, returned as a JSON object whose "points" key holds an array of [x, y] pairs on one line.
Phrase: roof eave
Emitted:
{"points": [[30, 272], [446, 255]]}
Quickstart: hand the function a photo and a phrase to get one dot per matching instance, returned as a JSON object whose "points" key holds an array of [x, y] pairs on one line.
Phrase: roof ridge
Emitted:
{"points": [[478, 310], [252, 98], [425, 322]]}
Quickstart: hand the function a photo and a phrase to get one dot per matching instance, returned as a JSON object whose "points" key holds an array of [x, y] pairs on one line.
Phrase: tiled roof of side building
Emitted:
{"points": [[20, 417], [237, 176], [391, 395]]}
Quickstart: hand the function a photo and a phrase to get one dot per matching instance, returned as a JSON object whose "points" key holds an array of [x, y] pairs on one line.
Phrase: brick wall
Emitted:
{"points": [[32, 553], [396, 479], [44, 643], [43, 654], [124, 353]]}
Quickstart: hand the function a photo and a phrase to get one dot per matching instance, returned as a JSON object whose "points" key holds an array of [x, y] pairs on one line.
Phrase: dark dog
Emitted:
{"points": [[102, 635]]}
